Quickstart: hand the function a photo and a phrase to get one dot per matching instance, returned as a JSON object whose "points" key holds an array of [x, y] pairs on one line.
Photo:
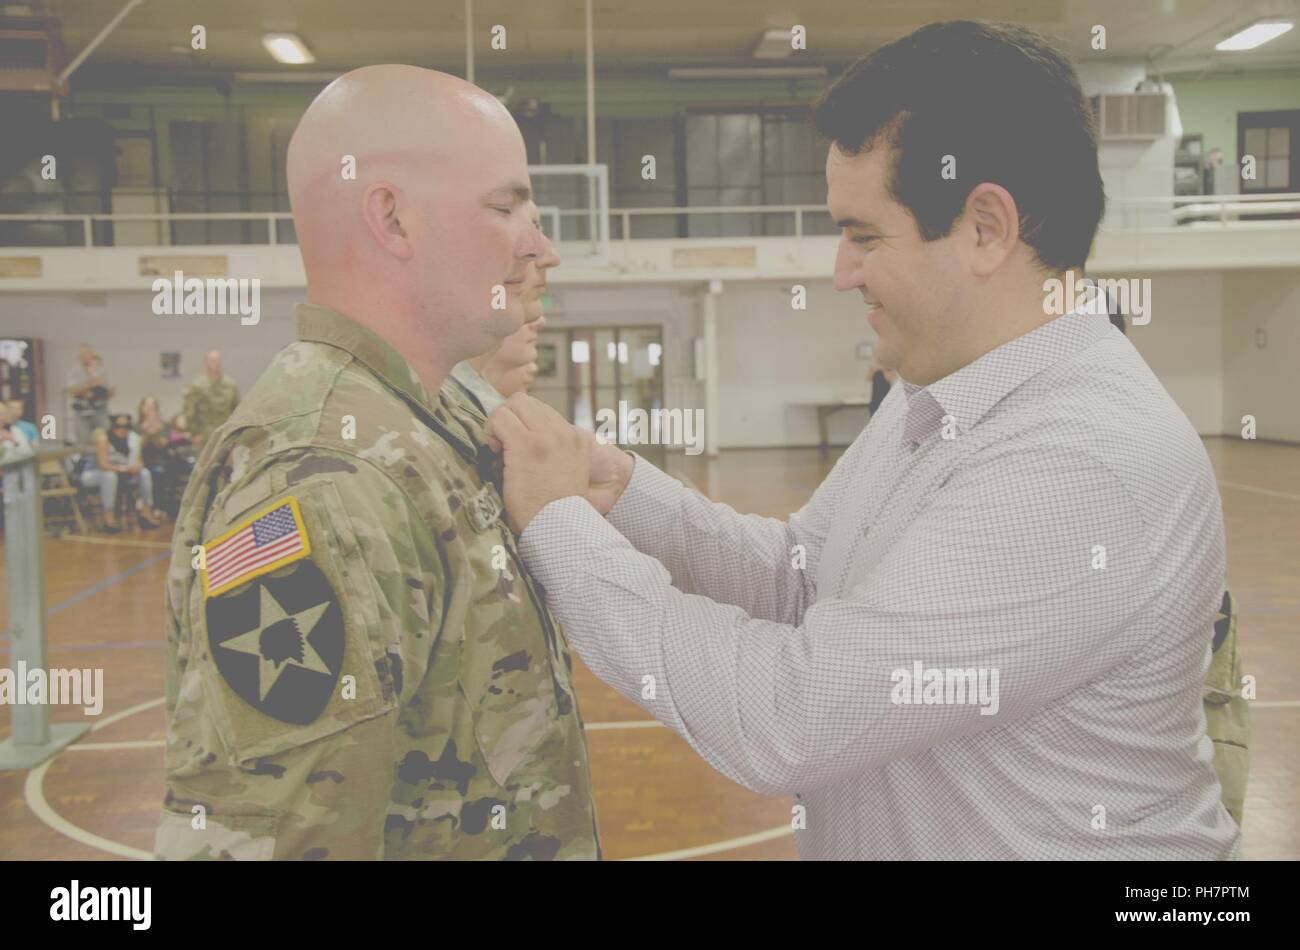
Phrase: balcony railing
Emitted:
{"points": [[572, 225]]}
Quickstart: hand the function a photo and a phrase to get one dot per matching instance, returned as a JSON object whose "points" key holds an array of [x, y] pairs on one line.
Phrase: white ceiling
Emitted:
{"points": [[549, 33]]}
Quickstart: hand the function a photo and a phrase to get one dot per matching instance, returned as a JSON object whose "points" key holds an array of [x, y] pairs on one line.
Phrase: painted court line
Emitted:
{"points": [[626, 724], [731, 843], [1259, 491], [107, 645], [157, 743], [124, 542], [41, 808], [34, 794], [34, 791], [94, 589]]}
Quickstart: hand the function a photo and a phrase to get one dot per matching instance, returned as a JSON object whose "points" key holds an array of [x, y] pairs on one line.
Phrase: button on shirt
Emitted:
{"points": [[983, 637]]}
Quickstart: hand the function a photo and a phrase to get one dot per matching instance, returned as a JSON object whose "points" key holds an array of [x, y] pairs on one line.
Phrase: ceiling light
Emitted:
{"points": [[1257, 34], [774, 44], [287, 48]]}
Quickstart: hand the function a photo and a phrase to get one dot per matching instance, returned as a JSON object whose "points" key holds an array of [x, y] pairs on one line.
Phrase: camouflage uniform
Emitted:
{"points": [[208, 404], [1227, 712], [387, 682]]}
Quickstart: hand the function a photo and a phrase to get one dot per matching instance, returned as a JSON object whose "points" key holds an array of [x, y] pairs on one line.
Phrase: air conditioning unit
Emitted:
{"points": [[31, 54], [1133, 116]]}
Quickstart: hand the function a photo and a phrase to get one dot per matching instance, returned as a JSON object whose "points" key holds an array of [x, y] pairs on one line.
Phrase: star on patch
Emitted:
{"points": [[279, 643]]}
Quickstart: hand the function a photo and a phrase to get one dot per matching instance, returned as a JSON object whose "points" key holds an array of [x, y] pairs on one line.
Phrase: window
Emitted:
{"points": [[1268, 138]]}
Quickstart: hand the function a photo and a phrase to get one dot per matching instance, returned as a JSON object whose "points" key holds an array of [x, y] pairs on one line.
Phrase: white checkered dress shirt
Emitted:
{"points": [[1046, 513]]}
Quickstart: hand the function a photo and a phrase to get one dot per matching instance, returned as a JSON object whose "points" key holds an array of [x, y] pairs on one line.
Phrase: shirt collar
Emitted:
{"points": [[969, 393], [322, 324]]}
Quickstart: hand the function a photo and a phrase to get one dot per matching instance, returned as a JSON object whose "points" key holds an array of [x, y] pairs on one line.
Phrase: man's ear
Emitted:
{"points": [[996, 222], [380, 209]]}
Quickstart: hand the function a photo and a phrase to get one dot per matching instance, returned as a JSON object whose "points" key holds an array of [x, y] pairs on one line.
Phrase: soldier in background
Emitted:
{"points": [[210, 398], [361, 667], [486, 381]]}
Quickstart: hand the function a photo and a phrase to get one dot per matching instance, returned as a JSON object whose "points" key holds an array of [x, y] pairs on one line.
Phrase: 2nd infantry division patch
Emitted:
{"points": [[279, 642]]}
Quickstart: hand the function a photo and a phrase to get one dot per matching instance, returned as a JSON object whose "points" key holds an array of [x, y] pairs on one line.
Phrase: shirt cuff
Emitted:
{"points": [[648, 492], [561, 538]]}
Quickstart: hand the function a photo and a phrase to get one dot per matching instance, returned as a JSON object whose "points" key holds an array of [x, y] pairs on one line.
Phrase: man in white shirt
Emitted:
{"points": [[985, 635]]}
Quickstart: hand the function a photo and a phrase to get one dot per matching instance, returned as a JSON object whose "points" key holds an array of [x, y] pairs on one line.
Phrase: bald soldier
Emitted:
{"points": [[209, 399], [360, 667]]}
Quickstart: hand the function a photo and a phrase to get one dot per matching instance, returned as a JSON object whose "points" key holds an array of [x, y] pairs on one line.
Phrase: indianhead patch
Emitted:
{"points": [[269, 540], [279, 643], [483, 509]]}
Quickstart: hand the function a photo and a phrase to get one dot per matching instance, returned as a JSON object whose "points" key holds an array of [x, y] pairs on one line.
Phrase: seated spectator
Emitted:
{"points": [[16, 409], [158, 456], [12, 438], [180, 432], [117, 452]]}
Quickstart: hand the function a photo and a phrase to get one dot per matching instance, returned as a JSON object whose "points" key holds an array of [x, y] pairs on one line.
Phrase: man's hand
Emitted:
{"points": [[545, 458], [611, 470]]}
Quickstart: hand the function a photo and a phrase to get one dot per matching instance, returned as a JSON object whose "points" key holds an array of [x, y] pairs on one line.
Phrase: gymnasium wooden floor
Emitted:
{"points": [[655, 798]]}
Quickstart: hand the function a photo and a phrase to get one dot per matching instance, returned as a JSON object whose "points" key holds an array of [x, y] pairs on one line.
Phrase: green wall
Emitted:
{"points": [[1209, 104]]}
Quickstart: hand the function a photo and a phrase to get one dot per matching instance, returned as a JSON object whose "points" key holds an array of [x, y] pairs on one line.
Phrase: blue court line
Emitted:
{"points": [[94, 589], [115, 645]]}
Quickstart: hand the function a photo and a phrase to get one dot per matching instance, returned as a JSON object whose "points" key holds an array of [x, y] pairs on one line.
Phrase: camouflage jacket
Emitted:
{"points": [[362, 668], [207, 404]]}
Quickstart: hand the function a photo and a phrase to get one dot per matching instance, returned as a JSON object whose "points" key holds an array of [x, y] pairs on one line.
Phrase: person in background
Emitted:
{"points": [[28, 429], [88, 393], [210, 398], [156, 452], [882, 380], [486, 381], [12, 438], [183, 451], [117, 452], [179, 436]]}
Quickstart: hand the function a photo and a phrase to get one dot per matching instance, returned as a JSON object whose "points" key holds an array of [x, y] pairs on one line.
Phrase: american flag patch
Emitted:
{"points": [[270, 539]]}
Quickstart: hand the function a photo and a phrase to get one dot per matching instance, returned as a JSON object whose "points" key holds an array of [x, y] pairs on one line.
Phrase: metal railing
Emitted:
{"points": [[1222, 211]]}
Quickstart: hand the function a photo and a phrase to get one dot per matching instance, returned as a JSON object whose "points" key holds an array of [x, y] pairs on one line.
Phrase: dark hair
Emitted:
{"points": [[1000, 99]]}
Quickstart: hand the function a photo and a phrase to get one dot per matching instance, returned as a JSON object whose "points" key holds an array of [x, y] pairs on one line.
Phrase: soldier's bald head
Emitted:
{"points": [[389, 118], [395, 174]]}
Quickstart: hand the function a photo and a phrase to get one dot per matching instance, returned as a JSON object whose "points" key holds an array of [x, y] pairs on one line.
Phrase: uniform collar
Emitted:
{"points": [[484, 395], [969, 393], [321, 324]]}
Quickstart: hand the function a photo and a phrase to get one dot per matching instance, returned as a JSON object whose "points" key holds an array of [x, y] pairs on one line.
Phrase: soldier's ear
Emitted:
{"points": [[379, 207]]}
